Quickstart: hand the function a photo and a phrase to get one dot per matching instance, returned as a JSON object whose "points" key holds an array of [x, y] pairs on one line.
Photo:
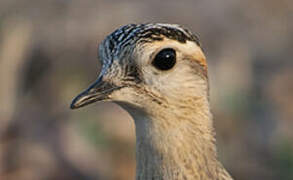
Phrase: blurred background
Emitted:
{"points": [[48, 53]]}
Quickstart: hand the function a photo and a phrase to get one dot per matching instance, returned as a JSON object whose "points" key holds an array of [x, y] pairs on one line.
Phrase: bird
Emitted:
{"points": [[158, 73]]}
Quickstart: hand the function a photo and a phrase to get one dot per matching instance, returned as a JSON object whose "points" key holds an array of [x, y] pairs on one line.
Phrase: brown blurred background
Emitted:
{"points": [[48, 53]]}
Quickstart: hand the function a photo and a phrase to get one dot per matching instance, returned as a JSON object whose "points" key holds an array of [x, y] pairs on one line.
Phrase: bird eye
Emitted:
{"points": [[165, 59]]}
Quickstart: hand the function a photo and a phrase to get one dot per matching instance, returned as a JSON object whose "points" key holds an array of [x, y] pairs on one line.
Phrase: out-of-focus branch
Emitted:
{"points": [[16, 41]]}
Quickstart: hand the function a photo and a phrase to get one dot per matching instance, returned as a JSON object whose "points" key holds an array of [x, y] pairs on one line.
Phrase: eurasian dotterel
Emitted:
{"points": [[158, 73]]}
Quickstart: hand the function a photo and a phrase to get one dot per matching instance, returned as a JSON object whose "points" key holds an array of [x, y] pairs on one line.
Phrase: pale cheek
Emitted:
{"points": [[169, 84], [180, 86], [121, 95]]}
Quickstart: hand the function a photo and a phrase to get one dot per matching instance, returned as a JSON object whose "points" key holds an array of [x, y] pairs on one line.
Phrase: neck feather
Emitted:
{"points": [[177, 144]]}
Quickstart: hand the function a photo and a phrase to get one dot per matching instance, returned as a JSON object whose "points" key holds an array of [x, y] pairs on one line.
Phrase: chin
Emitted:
{"points": [[133, 109]]}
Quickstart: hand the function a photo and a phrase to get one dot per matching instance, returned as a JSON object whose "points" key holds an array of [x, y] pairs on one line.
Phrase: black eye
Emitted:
{"points": [[165, 59]]}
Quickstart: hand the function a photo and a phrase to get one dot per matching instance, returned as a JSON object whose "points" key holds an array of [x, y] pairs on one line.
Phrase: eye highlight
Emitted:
{"points": [[165, 59]]}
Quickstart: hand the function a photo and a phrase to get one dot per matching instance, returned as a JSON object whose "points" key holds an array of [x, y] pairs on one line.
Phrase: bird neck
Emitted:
{"points": [[177, 144]]}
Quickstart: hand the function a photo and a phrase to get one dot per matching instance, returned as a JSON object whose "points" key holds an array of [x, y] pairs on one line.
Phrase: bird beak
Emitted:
{"points": [[98, 91]]}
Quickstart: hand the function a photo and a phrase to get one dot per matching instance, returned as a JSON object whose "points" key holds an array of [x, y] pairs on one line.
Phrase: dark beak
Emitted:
{"points": [[98, 91]]}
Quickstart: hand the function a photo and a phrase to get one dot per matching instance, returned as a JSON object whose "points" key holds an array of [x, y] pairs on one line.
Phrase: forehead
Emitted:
{"points": [[123, 40]]}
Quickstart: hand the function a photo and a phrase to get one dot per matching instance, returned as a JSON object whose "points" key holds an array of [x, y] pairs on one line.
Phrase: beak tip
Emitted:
{"points": [[72, 106], [74, 103]]}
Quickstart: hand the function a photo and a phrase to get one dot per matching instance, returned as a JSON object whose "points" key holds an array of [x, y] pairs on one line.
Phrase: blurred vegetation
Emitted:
{"points": [[48, 53]]}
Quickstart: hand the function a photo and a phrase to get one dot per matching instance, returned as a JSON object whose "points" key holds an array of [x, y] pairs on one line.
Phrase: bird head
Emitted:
{"points": [[148, 65]]}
